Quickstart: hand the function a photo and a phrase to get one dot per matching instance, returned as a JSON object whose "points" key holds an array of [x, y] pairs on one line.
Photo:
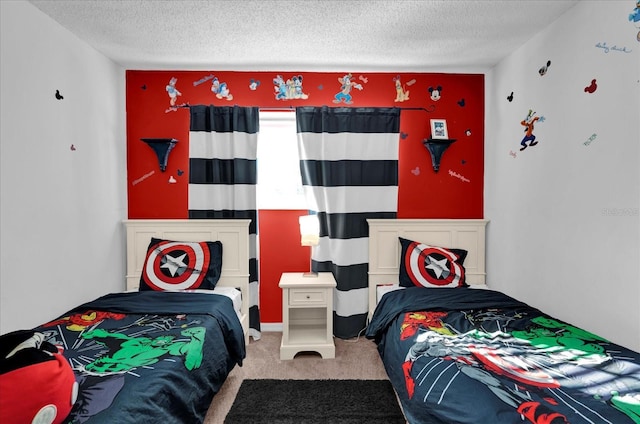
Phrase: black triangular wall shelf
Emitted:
{"points": [[437, 147], [162, 147]]}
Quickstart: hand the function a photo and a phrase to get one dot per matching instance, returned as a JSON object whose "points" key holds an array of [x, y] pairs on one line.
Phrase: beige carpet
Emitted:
{"points": [[355, 359]]}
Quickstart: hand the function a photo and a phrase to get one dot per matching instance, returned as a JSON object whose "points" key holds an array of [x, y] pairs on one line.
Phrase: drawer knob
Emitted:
{"points": [[308, 297]]}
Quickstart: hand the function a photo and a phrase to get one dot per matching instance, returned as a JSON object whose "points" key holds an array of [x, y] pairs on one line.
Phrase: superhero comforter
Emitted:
{"points": [[479, 356], [148, 357]]}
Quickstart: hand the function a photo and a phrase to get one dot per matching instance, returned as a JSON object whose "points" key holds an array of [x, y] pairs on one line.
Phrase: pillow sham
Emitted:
{"points": [[423, 265], [176, 265]]}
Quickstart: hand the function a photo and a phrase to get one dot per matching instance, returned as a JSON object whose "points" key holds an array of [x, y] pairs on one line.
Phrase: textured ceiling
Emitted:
{"points": [[305, 35]]}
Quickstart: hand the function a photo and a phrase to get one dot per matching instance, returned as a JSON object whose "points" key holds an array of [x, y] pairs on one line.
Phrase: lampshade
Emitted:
{"points": [[309, 230]]}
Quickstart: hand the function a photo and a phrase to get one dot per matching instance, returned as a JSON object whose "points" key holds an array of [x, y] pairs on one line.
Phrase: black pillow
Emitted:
{"points": [[178, 265], [423, 265]]}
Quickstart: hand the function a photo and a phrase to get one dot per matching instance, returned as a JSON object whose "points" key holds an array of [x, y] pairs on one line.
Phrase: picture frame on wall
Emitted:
{"points": [[439, 129]]}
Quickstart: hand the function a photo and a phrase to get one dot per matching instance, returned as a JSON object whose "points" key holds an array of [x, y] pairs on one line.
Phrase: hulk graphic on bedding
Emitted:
{"points": [[545, 356], [548, 332], [103, 357], [127, 353]]}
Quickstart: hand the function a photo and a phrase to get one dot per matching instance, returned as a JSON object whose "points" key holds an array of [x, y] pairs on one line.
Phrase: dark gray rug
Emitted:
{"points": [[315, 401]]}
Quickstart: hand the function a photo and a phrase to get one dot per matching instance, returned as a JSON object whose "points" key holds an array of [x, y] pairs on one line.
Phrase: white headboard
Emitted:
{"points": [[233, 233], [384, 247]]}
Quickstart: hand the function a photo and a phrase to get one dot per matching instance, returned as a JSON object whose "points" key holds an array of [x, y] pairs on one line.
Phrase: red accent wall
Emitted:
{"points": [[280, 251], [456, 191]]}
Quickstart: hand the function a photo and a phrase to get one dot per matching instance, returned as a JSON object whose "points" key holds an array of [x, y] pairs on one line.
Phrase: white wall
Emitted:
{"points": [[553, 240], [61, 238], [564, 233]]}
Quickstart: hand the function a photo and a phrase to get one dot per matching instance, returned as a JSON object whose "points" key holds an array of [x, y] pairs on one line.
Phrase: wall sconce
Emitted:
{"points": [[436, 148], [162, 147], [309, 236]]}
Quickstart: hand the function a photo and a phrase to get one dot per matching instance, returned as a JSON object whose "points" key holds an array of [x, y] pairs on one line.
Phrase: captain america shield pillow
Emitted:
{"points": [[422, 265], [177, 265]]}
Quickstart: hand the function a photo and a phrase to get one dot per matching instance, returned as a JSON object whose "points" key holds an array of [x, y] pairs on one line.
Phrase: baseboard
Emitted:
{"points": [[273, 327]]}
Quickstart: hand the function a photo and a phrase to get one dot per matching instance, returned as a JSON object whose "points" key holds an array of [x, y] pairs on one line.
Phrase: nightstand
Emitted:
{"points": [[307, 314]]}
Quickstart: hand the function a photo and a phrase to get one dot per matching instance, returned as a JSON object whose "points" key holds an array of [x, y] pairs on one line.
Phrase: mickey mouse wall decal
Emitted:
{"points": [[435, 93], [510, 97], [591, 88], [253, 84], [58, 95], [544, 69]]}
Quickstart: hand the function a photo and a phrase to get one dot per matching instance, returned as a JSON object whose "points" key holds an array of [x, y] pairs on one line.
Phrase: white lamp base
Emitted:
{"points": [[310, 274]]}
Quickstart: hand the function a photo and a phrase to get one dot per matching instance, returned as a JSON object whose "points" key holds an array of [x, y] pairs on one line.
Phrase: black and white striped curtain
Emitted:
{"points": [[349, 165], [222, 177]]}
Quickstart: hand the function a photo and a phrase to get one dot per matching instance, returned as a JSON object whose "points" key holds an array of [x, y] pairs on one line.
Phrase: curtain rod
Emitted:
{"points": [[431, 109], [290, 108], [187, 105]]}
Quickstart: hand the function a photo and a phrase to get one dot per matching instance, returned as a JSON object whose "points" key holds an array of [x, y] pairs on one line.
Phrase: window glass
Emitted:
{"points": [[279, 182]]}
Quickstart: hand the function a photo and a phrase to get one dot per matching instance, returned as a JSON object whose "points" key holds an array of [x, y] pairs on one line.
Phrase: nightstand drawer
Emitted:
{"points": [[298, 297]]}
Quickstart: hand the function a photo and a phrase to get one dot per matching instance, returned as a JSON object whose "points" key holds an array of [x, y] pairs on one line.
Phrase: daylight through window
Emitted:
{"points": [[279, 182]]}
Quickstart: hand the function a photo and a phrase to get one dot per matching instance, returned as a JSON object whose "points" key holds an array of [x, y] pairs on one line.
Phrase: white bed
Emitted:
{"points": [[384, 248], [438, 345], [233, 233]]}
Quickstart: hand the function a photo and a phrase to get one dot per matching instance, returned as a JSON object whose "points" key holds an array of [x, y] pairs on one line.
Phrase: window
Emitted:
{"points": [[279, 182]]}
